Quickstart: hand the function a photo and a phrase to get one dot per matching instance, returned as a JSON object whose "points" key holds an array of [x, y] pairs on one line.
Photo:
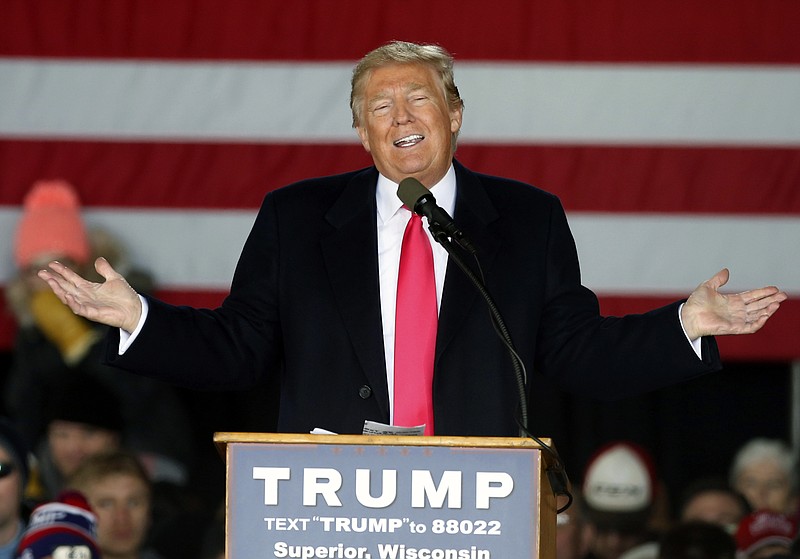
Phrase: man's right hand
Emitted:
{"points": [[112, 302]]}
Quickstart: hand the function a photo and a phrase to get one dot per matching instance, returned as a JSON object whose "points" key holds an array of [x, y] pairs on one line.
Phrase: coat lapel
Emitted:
{"points": [[474, 212], [351, 259]]}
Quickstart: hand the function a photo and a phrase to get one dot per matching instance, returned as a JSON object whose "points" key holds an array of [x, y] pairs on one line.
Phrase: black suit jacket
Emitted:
{"points": [[304, 304]]}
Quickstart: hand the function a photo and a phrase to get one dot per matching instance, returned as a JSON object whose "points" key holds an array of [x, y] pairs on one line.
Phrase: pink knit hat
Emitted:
{"points": [[51, 225]]}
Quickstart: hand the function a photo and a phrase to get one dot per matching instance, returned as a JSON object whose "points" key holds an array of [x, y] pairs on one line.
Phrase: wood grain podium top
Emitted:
{"points": [[222, 439]]}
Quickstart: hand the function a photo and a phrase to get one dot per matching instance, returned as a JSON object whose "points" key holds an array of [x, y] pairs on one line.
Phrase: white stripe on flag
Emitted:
{"points": [[303, 102], [620, 254], [630, 254]]}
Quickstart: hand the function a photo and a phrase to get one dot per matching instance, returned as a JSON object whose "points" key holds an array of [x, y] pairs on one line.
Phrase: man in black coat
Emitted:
{"points": [[313, 293]]}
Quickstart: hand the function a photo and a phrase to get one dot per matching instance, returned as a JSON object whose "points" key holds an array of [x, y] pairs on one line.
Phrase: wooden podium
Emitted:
{"points": [[386, 497]]}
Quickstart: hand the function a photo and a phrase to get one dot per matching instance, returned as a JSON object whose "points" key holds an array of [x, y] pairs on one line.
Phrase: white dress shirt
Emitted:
{"points": [[392, 220]]}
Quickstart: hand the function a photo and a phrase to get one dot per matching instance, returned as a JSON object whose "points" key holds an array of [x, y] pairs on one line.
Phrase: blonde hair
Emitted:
{"points": [[100, 466], [402, 52], [763, 449]]}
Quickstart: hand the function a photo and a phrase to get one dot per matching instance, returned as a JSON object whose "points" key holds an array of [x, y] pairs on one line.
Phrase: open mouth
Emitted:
{"points": [[409, 141]]}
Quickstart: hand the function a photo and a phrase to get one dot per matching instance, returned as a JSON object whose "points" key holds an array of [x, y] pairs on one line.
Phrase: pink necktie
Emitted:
{"points": [[415, 330]]}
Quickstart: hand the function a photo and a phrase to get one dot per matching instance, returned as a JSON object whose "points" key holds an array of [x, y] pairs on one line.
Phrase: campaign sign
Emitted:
{"points": [[353, 501]]}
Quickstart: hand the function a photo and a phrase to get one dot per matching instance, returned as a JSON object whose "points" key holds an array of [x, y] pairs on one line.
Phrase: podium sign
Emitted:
{"points": [[367, 497]]}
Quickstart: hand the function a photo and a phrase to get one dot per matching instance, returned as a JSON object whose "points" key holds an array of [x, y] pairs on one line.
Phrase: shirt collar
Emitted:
{"points": [[388, 203]]}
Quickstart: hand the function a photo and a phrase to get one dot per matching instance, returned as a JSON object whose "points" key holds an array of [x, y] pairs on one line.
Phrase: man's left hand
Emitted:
{"points": [[708, 312]]}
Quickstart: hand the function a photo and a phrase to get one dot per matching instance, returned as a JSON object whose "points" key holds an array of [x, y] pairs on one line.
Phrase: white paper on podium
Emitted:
{"points": [[375, 428]]}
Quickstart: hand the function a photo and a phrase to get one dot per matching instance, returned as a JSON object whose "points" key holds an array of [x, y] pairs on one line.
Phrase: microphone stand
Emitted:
{"points": [[497, 320], [556, 473]]}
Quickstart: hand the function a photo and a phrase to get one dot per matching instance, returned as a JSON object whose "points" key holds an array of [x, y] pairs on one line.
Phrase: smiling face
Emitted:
{"points": [[407, 126]]}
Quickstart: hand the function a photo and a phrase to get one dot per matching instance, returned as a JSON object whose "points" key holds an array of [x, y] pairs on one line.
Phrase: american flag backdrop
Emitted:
{"points": [[669, 128]]}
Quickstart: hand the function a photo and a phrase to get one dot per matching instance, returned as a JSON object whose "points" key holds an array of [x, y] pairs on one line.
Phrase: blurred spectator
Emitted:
{"points": [[618, 495], [764, 471], [62, 529], [50, 227], [697, 540], [712, 500], [13, 477], [83, 419], [52, 342], [119, 492], [570, 535], [764, 534]]}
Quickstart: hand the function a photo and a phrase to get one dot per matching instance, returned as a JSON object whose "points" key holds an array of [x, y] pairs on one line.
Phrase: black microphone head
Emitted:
{"points": [[410, 190]]}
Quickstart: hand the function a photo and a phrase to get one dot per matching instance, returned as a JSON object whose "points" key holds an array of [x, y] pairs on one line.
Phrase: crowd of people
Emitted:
{"points": [[623, 510], [110, 450], [126, 443]]}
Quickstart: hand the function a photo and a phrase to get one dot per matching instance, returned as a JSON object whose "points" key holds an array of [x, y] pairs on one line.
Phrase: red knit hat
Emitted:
{"points": [[51, 225], [763, 528]]}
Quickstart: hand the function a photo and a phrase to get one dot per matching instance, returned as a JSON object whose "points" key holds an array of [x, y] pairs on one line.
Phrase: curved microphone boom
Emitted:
{"points": [[421, 201]]}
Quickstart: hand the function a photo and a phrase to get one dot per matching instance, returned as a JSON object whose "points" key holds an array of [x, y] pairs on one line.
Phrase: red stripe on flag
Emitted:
{"points": [[169, 175], [651, 179], [587, 178], [197, 299], [725, 31]]}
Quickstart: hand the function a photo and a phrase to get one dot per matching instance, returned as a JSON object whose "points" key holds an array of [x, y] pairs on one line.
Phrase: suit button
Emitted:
{"points": [[365, 392]]}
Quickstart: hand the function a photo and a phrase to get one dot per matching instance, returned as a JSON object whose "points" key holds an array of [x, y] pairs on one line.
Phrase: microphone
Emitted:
{"points": [[421, 201]]}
